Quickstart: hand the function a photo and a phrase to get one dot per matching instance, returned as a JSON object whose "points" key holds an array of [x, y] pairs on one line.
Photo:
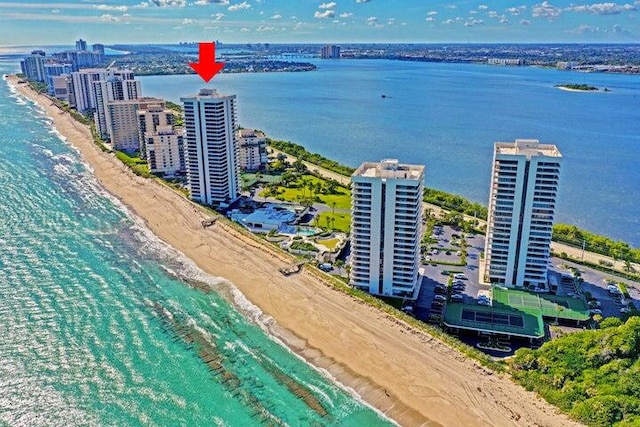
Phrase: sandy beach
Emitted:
{"points": [[412, 377]]}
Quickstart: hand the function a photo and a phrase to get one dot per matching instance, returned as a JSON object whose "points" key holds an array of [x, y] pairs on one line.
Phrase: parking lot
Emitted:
{"points": [[437, 277]]}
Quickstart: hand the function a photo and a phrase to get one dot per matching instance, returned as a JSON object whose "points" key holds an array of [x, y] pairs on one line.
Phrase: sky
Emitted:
{"points": [[33, 22]]}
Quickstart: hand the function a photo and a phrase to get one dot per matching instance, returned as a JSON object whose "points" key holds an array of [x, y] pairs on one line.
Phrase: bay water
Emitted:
{"points": [[103, 324], [447, 117]]}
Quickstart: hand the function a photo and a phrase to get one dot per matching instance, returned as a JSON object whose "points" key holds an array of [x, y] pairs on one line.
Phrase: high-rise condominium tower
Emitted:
{"points": [[522, 202], [386, 228], [211, 149]]}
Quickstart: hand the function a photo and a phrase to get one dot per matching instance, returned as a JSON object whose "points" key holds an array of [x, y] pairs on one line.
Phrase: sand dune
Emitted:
{"points": [[412, 377]]}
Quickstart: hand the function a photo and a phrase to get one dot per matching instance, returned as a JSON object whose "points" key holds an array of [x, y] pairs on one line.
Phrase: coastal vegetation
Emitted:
{"points": [[455, 203], [300, 152], [137, 165], [603, 245], [582, 87], [592, 375]]}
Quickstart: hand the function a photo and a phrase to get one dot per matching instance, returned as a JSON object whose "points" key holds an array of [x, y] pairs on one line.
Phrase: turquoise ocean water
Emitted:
{"points": [[447, 117], [98, 322]]}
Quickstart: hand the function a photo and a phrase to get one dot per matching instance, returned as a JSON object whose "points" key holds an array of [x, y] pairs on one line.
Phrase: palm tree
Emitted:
{"points": [[333, 208]]}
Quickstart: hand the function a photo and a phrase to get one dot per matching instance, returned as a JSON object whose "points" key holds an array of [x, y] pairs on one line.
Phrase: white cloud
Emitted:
{"points": [[432, 13], [391, 21], [483, 7], [525, 22], [109, 7], [603, 8], [206, 2], [169, 3], [108, 18], [346, 15], [372, 20], [245, 30], [451, 6], [546, 10], [276, 16], [239, 6], [330, 5], [430, 19], [187, 21], [363, 1], [326, 14], [263, 28], [516, 10], [56, 11], [218, 16]]}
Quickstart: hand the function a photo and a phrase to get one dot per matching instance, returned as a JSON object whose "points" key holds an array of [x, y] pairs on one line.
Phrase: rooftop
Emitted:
{"points": [[208, 93], [527, 147], [390, 168]]}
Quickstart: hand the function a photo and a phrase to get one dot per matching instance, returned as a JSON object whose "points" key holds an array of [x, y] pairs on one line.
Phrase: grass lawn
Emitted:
{"points": [[342, 221], [342, 200]]}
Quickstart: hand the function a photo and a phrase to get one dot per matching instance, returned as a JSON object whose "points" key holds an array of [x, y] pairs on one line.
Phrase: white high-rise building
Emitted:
{"points": [[386, 228], [211, 149], [84, 94], [117, 85], [522, 202]]}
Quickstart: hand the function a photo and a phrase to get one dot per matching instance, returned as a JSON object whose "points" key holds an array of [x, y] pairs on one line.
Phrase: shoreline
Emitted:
{"points": [[408, 375]]}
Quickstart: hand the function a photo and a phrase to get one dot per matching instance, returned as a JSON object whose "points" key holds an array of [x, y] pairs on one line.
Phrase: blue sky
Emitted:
{"points": [[32, 22]]}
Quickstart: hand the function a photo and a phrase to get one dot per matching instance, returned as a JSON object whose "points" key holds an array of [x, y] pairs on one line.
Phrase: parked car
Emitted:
{"points": [[459, 276], [625, 310], [594, 304], [484, 302], [440, 298], [440, 290], [595, 311], [457, 297]]}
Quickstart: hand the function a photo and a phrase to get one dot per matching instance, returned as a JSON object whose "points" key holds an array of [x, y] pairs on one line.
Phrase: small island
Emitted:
{"points": [[577, 87]]}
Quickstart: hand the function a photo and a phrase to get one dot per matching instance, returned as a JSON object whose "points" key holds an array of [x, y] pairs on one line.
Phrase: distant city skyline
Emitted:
{"points": [[32, 22]]}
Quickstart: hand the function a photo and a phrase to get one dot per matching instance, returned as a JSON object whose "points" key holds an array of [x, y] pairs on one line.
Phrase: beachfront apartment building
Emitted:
{"points": [[253, 149], [117, 85], [52, 70], [386, 228], [123, 122], [32, 66], [84, 95], [160, 143], [522, 202], [62, 88], [211, 147]]}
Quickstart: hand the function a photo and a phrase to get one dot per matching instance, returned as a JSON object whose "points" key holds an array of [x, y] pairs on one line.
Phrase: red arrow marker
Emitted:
{"points": [[207, 67]]}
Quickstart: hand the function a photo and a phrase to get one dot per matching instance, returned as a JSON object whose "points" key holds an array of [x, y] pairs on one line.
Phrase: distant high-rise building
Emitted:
{"points": [[162, 144], [253, 149], [52, 70], [117, 85], [211, 149], [386, 228], [81, 45], [330, 52], [98, 48], [32, 66], [522, 201]]}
